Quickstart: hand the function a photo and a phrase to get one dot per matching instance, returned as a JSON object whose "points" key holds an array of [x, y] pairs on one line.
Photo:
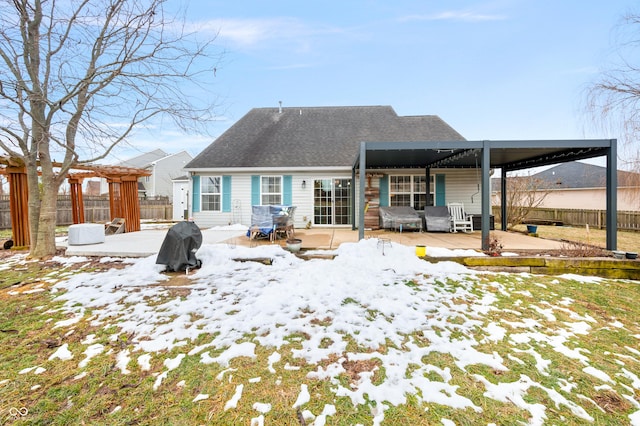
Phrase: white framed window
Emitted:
{"points": [[211, 193], [270, 190], [400, 190], [409, 190]]}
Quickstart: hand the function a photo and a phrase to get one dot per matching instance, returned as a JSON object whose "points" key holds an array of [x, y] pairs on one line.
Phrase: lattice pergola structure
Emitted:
{"points": [[123, 194], [487, 155]]}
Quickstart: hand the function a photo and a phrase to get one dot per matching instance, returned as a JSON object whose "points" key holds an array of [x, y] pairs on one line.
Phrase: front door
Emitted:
{"points": [[332, 201]]}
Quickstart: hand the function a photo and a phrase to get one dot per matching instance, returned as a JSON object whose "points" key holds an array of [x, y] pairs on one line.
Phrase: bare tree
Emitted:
{"points": [[77, 77], [612, 99], [524, 193]]}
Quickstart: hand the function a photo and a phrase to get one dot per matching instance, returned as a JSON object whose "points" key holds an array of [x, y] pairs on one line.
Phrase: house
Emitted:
{"points": [[92, 188], [163, 167], [581, 185], [304, 156]]}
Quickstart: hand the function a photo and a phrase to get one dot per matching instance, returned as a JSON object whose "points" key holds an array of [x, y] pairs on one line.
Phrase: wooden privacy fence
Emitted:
{"points": [[96, 210], [627, 220]]}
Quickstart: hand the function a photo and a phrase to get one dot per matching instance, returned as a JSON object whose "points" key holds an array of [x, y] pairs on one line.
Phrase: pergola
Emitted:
{"points": [[505, 155], [123, 194]]}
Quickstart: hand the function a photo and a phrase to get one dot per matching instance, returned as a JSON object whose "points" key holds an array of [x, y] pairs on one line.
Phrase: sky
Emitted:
{"points": [[492, 69], [378, 296]]}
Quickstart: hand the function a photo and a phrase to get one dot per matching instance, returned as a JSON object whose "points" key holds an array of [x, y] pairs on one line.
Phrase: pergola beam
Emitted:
{"points": [[612, 190], [123, 200], [506, 155], [19, 205], [486, 195], [77, 205]]}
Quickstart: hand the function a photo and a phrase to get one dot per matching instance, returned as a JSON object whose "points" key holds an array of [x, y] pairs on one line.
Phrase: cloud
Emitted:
{"points": [[582, 70], [291, 66], [454, 15], [254, 32]]}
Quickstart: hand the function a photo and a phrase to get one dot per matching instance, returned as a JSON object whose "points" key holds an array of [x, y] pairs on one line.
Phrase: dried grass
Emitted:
{"points": [[578, 249]]}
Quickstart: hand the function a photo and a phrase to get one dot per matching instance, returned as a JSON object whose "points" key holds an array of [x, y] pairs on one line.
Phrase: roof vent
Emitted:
{"points": [[280, 108]]}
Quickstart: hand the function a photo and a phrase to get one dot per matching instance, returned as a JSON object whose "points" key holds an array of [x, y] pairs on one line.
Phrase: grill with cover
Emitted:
{"points": [[178, 251]]}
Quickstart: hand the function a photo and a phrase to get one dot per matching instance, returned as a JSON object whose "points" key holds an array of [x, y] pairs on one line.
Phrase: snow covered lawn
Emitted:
{"points": [[370, 337]]}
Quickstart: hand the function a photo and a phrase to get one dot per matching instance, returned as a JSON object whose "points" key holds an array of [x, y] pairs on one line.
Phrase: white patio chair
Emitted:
{"points": [[460, 221]]}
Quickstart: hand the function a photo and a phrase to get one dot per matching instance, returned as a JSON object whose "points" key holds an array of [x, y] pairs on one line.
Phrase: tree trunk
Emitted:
{"points": [[66, 78], [34, 201], [45, 241]]}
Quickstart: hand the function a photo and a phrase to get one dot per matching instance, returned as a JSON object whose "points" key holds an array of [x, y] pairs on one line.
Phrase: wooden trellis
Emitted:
{"points": [[123, 195], [19, 205], [77, 206]]}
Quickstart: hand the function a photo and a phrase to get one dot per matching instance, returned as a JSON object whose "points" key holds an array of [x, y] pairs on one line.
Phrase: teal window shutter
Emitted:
{"points": [[440, 193], [255, 190], [384, 191], [226, 193], [195, 202], [287, 189]]}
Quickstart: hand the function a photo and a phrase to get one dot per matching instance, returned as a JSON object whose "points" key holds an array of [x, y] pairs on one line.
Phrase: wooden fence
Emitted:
{"points": [[96, 210], [627, 220]]}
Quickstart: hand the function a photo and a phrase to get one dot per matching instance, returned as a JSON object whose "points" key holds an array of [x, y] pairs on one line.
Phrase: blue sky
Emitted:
{"points": [[503, 69]]}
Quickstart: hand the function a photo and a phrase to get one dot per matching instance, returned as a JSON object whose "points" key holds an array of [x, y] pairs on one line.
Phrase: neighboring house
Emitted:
{"points": [[93, 188], [305, 157], [578, 185], [164, 168]]}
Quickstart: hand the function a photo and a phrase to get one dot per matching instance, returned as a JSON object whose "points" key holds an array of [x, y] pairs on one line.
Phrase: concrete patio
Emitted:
{"points": [[148, 242]]}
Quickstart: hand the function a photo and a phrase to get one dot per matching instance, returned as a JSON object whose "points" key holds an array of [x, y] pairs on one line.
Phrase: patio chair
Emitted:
{"points": [[397, 217], [460, 221], [116, 226], [271, 221], [437, 219]]}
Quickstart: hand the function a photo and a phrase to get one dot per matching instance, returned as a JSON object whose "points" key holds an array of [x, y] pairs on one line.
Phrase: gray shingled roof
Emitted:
{"points": [[144, 160], [577, 174], [315, 136]]}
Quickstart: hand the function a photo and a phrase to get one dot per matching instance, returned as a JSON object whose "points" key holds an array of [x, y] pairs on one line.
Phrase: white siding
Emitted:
{"points": [[165, 170], [302, 198], [461, 185], [240, 196], [104, 186]]}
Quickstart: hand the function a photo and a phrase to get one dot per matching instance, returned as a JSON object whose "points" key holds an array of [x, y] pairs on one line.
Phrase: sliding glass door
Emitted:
{"points": [[332, 201]]}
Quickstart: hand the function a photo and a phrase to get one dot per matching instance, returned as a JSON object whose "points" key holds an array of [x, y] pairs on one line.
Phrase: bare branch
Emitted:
{"points": [[612, 99], [524, 193], [78, 77]]}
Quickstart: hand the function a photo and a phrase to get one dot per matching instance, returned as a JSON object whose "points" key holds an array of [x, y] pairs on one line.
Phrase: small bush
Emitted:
{"points": [[495, 246], [576, 249]]}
